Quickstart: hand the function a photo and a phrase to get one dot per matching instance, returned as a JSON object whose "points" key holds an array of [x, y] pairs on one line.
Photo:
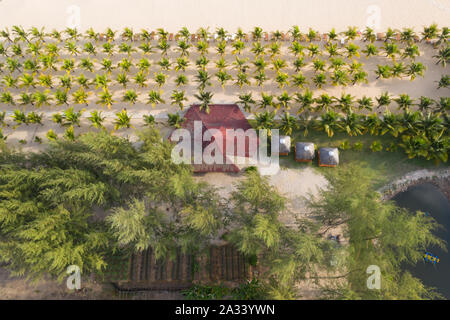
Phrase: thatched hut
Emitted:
{"points": [[304, 151], [328, 157], [285, 145]]}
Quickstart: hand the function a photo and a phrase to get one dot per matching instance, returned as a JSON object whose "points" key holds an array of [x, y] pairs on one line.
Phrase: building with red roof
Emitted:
{"points": [[220, 118]]}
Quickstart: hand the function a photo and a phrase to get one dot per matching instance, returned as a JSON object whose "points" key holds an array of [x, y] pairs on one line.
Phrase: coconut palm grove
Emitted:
{"points": [[87, 178]]}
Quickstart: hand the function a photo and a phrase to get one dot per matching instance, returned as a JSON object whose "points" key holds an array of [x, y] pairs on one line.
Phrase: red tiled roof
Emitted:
{"points": [[220, 117]]}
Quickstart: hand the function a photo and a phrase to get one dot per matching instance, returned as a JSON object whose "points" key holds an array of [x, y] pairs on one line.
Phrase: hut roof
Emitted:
{"points": [[329, 156], [285, 144], [220, 117], [304, 151]]}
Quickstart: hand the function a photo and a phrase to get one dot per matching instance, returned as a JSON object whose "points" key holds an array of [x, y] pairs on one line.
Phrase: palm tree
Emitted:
{"points": [[391, 50], [205, 100], [258, 49], [184, 33], [143, 65], [383, 71], [370, 50], [324, 102], [266, 100], [369, 35], [123, 120], [146, 48], [202, 77], [123, 79], [221, 47], [305, 100], [27, 80], [328, 122], [154, 97], [298, 64], [352, 50], [160, 79], [80, 96], [164, 46], [246, 100], [411, 51], [443, 105], [404, 101], [107, 65], [383, 100], [443, 56], [360, 77], [202, 47], [149, 120], [183, 47], [430, 32], [164, 63], [444, 82], [257, 33], [223, 77], [130, 96], [320, 80], [61, 97], [265, 121], [90, 49], [34, 118], [7, 98], [105, 98], [201, 62], [175, 120], [299, 80], [351, 124], [283, 100], [242, 79], [416, 69], [222, 34], [238, 46], [398, 69], [390, 124], [178, 98], [72, 117], [42, 98], [288, 124], [372, 124], [345, 102], [19, 117], [295, 33], [181, 79], [425, 103], [96, 119], [305, 124], [339, 77], [365, 103]]}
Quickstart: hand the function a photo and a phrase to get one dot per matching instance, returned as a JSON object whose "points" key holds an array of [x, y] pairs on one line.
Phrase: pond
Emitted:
{"points": [[428, 198]]}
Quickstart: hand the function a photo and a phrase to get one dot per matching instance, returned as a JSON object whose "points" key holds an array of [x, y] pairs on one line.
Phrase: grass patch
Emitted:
{"points": [[386, 165]]}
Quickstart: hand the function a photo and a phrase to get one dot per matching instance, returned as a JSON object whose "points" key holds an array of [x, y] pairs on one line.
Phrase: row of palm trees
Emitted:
{"points": [[419, 134], [406, 35], [304, 100], [337, 72], [184, 48]]}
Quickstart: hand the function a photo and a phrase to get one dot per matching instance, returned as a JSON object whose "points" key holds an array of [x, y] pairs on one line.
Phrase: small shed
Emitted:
{"points": [[285, 145], [328, 157], [304, 151]]}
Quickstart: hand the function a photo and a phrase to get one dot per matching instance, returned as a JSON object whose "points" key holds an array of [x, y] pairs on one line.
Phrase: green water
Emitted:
{"points": [[428, 198]]}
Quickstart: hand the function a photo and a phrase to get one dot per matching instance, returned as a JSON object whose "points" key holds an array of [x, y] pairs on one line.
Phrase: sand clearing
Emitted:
{"points": [[269, 14]]}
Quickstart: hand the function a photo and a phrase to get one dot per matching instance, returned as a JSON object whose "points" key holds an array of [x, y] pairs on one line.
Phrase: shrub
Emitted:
{"points": [[376, 146], [357, 146]]}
